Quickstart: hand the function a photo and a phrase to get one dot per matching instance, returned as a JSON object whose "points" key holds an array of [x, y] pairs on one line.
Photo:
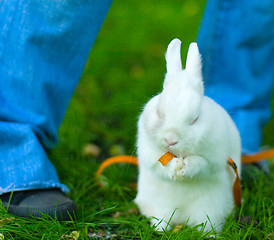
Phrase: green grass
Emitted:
{"points": [[125, 68]]}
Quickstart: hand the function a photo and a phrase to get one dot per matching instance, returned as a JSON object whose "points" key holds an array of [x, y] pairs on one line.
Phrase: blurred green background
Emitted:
{"points": [[125, 68]]}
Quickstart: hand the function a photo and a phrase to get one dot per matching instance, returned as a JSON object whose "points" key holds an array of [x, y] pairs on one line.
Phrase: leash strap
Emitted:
{"points": [[164, 160], [252, 158], [237, 192], [114, 160]]}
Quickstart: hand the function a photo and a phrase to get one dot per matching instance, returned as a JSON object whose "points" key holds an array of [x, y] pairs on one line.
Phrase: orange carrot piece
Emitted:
{"points": [[165, 159]]}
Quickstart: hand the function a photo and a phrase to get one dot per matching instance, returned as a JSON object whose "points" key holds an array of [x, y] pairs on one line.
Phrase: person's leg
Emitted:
{"points": [[236, 43], [44, 46]]}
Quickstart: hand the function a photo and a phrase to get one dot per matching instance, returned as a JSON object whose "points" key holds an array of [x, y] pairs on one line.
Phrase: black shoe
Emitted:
{"points": [[36, 203]]}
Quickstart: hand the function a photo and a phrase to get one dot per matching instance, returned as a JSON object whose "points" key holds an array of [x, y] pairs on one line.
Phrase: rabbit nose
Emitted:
{"points": [[171, 141]]}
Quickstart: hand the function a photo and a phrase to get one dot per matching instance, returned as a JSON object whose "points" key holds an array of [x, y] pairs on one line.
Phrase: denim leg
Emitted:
{"points": [[236, 40], [44, 46]]}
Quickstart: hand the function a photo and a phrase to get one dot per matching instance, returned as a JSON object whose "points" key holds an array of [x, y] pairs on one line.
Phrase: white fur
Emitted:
{"points": [[197, 184]]}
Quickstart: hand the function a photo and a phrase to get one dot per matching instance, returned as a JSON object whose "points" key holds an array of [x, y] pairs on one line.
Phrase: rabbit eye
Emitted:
{"points": [[159, 114], [195, 120]]}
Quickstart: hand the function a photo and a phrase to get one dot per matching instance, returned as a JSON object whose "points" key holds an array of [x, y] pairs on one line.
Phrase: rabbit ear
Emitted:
{"points": [[193, 61], [173, 56]]}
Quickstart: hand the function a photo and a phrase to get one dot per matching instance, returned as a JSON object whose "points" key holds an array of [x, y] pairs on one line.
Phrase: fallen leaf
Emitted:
{"points": [[5, 220], [117, 214], [133, 211], [130, 211], [248, 220], [102, 233], [74, 235], [117, 150], [178, 228], [64, 236], [91, 150]]}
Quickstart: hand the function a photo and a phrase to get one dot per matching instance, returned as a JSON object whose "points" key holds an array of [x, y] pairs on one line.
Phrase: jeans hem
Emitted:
{"points": [[35, 185]]}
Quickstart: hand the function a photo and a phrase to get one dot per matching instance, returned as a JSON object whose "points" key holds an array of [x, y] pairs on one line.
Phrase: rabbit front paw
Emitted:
{"points": [[182, 168], [193, 164], [176, 169]]}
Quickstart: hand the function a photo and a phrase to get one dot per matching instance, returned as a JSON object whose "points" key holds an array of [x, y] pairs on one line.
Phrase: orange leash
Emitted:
{"points": [[252, 158], [164, 160], [114, 160], [237, 192]]}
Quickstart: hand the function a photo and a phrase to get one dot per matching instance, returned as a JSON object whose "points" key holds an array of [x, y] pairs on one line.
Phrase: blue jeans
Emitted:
{"points": [[43, 49], [236, 40], [44, 45]]}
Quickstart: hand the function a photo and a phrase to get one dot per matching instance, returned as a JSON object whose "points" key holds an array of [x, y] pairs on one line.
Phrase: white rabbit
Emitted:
{"points": [[196, 186]]}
